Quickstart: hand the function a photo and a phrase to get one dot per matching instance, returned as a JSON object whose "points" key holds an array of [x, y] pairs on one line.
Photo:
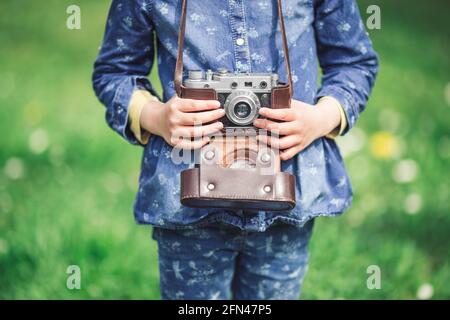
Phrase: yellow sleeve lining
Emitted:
{"points": [[137, 102], [340, 129]]}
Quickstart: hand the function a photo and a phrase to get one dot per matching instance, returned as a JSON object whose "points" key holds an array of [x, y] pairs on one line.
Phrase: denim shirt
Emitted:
{"points": [[329, 33]]}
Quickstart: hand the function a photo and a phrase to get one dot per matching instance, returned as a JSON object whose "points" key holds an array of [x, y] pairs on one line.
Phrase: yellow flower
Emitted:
{"points": [[384, 145]]}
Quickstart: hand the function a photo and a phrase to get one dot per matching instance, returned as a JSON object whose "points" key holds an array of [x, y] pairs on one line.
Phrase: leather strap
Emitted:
{"points": [[179, 64], [287, 62], [178, 78]]}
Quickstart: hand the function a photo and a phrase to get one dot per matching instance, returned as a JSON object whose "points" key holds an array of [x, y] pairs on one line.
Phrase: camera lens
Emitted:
{"points": [[242, 110], [241, 107]]}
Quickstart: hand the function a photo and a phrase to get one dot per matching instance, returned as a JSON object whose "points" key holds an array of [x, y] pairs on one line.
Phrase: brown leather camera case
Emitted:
{"points": [[258, 184], [215, 182]]}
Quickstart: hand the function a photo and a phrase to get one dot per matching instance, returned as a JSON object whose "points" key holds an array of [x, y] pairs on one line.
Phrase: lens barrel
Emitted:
{"points": [[241, 107]]}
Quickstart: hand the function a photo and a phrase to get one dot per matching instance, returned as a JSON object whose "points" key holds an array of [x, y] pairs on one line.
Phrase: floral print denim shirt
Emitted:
{"points": [[243, 36]]}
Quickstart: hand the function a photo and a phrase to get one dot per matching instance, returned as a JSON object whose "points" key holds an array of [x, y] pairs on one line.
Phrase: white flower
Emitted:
{"points": [[241, 30], [14, 168], [304, 64], [307, 85], [405, 171], [120, 44], [128, 21], [344, 27], [413, 203], [362, 48], [210, 31], [196, 18], [168, 45], [353, 142], [252, 33], [38, 141], [289, 13], [342, 182], [336, 202], [263, 5], [313, 171], [241, 66], [425, 291], [162, 179], [258, 58], [144, 6], [162, 7]]}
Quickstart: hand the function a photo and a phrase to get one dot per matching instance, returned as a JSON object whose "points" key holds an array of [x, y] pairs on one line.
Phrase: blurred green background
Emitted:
{"points": [[67, 182]]}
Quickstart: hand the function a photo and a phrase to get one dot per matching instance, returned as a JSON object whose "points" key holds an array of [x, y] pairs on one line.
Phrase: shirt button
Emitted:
{"points": [[240, 42]]}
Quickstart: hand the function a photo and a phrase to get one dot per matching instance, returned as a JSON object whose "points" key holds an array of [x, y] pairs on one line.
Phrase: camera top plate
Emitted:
{"points": [[225, 81]]}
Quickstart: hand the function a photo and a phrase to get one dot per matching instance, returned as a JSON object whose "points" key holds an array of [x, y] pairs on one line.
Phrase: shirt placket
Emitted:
{"points": [[239, 35]]}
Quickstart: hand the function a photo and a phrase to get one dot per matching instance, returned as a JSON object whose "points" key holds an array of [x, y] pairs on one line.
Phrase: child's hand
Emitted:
{"points": [[302, 124], [174, 121]]}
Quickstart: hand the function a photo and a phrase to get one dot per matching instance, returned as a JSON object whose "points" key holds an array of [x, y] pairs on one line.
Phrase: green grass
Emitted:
{"points": [[72, 204]]}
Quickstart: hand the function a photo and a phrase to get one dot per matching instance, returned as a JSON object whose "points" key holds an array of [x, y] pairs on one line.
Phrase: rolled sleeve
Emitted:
{"points": [[343, 119], [124, 62], [346, 103], [139, 99], [119, 115], [348, 61]]}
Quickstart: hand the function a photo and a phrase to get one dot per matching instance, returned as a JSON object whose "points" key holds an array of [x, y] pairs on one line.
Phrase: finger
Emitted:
{"points": [[285, 114], [198, 118], [188, 144], [198, 131], [282, 128], [291, 152], [280, 143], [190, 105]]}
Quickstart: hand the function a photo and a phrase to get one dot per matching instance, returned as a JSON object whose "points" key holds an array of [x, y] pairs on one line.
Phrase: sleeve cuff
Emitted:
{"points": [[137, 102], [343, 125]]}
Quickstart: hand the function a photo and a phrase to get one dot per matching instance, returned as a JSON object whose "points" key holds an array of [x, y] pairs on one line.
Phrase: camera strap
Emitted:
{"points": [[182, 29]]}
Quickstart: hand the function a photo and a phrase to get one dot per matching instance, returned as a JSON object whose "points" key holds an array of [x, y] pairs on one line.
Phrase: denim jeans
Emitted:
{"points": [[224, 262]]}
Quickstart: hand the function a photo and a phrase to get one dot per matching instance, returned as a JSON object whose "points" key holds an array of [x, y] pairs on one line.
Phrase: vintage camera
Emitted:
{"points": [[240, 94], [234, 169]]}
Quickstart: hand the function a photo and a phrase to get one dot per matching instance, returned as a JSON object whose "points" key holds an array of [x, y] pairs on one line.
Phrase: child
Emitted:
{"points": [[216, 253]]}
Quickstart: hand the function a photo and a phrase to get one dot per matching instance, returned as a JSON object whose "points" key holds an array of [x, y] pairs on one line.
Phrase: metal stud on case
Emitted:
{"points": [[209, 155], [265, 157]]}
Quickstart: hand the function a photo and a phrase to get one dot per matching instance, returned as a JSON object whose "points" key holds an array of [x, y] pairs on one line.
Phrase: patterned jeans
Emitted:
{"points": [[223, 262]]}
